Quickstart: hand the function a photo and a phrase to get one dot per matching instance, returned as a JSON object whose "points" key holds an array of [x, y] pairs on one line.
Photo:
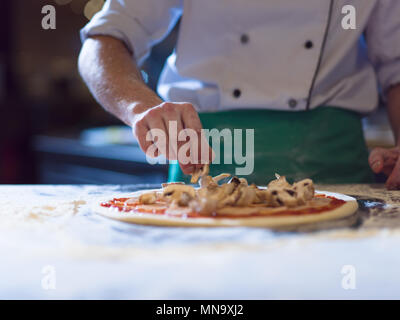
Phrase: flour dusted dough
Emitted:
{"points": [[348, 209]]}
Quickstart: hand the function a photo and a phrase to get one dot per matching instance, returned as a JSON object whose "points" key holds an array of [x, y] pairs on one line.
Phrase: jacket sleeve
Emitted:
{"points": [[140, 24], [383, 41]]}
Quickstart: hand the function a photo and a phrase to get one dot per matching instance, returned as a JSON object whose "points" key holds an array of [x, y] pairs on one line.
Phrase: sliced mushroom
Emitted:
{"points": [[247, 197], [234, 180], [231, 199], [221, 176], [178, 188], [208, 181], [203, 171], [280, 182], [205, 201], [235, 192], [261, 196], [179, 194], [305, 190], [184, 199], [195, 176], [226, 190], [211, 197], [148, 198], [223, 193], [278, 197], [204, 205], [170, 183], [243, 181]]}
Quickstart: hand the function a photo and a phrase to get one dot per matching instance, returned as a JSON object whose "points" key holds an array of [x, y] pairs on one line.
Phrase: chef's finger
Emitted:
{"points": [[207, 153], [393, 182], [190, 119], [380, 158], [141, 132], [375, 160], [187, 154], [159, 132], [179, 126], [174, 119]]}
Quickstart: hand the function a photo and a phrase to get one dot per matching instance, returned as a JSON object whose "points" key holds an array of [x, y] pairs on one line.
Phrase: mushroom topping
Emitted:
{"points": [[200, 172], [221, 177], [261, 194], [209, 199], [247, 197], [185, 199], [233, 191], [170, 183], [203, 202], [231, 199], [281, 193], [148, 198], [223, 194], [208, 181], [235, 181], [280, 182], [305, 190], [179, 194], [212, 197], [278, 197], [204, 205]]}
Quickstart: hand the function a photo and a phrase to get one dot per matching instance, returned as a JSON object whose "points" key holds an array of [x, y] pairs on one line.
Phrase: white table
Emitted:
{"points": [[90, 257]]}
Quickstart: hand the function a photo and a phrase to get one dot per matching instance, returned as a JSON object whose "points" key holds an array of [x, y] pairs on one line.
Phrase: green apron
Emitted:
{"points": [[325, 144]]}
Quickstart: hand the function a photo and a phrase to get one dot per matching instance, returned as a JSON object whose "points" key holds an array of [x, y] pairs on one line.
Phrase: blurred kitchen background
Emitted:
{"points": [[52, 131]]}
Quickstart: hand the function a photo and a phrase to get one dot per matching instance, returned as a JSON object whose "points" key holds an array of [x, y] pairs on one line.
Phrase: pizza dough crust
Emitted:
{"points": [[348, 209]]}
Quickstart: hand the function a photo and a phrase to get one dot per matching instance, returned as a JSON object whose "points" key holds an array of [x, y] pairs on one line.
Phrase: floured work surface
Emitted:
{"points": [[45, 228]]}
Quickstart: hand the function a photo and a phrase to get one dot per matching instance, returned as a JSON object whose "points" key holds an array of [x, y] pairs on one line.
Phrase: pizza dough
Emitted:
{"points": [[345, 210]]}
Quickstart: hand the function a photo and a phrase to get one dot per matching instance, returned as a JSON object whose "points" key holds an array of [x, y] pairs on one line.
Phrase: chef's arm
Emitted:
{"points": [[109, 70], [393, 108], [107, 67]]}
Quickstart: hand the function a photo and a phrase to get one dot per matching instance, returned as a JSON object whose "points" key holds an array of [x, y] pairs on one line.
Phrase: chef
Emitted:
{"points": [[290, 70]]}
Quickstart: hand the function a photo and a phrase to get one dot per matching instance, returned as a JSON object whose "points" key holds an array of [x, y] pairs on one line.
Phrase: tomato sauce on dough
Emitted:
{"points": [[135, 207]]}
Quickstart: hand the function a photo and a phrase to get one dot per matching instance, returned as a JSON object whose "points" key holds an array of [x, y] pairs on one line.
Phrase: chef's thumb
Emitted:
{"points": [[376, 160]]}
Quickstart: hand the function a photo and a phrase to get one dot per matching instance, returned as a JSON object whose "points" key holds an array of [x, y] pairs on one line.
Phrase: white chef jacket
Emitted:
{"points": [[273, 54]]}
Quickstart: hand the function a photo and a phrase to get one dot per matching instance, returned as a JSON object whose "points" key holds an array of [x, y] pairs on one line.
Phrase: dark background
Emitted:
{"points": [[48, 116]]}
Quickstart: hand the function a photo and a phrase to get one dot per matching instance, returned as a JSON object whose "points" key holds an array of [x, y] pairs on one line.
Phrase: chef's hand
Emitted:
{"points": [[159, 117], [387, 161]]}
